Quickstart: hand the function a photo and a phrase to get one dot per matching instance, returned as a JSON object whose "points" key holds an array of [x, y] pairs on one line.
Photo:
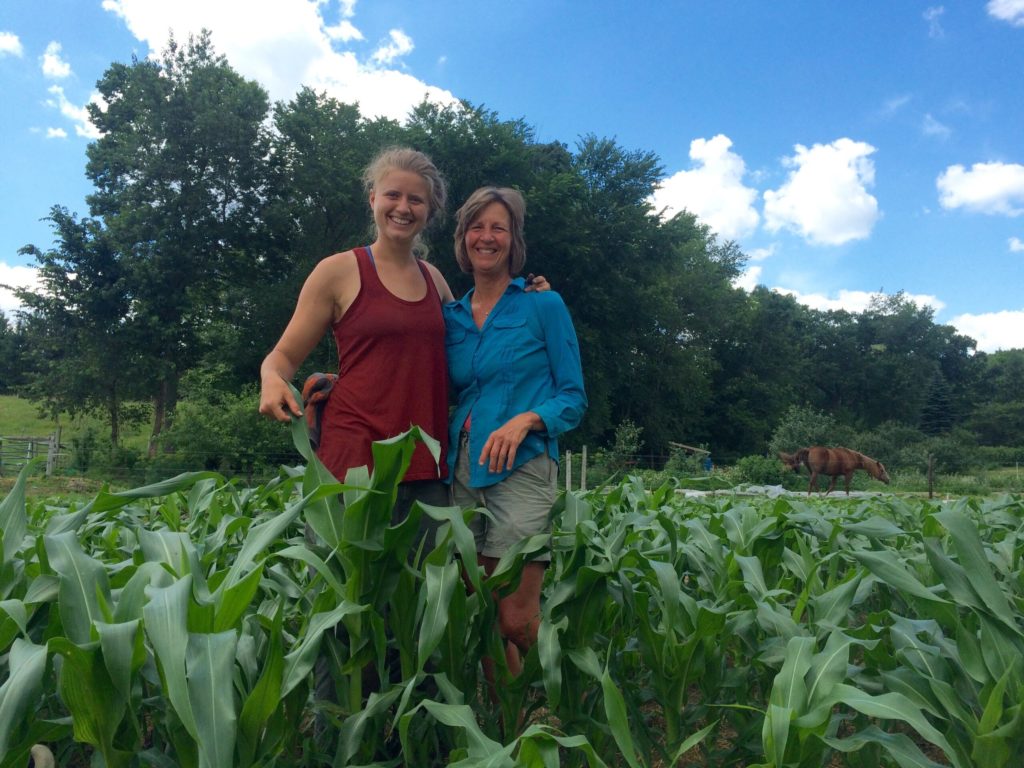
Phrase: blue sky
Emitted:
{"points": [[849, 148]]}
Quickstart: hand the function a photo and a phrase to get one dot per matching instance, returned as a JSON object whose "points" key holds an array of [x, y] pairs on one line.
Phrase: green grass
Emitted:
{"points": [[20, 418]]}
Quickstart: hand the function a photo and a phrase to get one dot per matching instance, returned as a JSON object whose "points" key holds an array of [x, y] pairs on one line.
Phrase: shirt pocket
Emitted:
{"points": [[510, 339], [454, 334]]}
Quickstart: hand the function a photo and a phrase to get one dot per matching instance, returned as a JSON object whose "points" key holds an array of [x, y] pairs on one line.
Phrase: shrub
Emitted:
{"points": [[223, 431], [954, 453], [761, 470], [84, 447], [620, 457], [802, 426]]}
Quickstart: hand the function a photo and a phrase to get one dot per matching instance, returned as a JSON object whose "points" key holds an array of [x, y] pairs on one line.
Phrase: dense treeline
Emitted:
{"points": [[211, 206]]}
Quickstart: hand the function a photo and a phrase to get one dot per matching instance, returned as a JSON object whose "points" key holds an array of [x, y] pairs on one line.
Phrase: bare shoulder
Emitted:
{"points": [[440, 283], [334, 280], [337, 264]]}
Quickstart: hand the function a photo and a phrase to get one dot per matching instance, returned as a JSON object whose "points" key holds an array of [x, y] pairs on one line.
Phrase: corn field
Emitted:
{"points": [[196, 623]]}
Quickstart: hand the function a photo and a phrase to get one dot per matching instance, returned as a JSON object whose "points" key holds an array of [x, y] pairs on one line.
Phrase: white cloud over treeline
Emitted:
{"points": [[713, 190], [285, 44], [824, 198], [19, 276]]}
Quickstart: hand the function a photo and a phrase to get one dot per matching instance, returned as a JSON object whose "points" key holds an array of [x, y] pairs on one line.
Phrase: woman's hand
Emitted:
{"points": [[276, 399], [500, 449], [537, 283]]}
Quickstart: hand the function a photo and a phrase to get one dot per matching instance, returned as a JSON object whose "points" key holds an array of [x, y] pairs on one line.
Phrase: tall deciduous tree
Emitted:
{"points": [[84, 345], [13, 363], [180, 177]]}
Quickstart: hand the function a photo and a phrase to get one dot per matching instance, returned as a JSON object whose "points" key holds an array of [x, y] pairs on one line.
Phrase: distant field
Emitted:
{"points": [[20, 418]]}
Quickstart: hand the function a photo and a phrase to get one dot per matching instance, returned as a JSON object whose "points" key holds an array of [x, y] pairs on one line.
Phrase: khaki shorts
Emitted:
{"points": [[520, 505]]}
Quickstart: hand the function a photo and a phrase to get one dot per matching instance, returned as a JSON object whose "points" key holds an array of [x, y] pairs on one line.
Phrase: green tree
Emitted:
{"points": [[180, 176], [13, 363], [997, 413], [901, 350], [83, 343], [765, 365]]}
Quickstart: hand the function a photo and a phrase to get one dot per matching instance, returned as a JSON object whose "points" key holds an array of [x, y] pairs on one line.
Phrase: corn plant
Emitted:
{"points": [[184, 624]]}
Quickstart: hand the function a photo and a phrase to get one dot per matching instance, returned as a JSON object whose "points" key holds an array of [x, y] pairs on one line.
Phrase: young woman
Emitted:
{"points": [[383, 306]]}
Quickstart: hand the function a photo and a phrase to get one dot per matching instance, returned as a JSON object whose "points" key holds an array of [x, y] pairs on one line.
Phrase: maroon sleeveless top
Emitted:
{"points": [[392, 374]]}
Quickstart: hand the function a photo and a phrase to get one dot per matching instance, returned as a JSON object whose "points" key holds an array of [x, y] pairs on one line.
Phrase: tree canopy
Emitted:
{"points": [[211, 206]]}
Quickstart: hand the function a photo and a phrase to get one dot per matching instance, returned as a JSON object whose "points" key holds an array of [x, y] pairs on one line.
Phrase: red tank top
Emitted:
{"points": [[392, 374]]}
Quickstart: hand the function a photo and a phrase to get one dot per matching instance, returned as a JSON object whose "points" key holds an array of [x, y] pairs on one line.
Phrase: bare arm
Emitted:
{"points": [[323, 298]]}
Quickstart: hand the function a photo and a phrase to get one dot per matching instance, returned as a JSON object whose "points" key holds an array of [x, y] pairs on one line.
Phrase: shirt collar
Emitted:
{"points": [[518, 285]]}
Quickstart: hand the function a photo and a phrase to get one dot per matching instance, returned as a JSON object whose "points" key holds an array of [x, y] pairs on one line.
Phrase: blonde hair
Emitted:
{"points": [[474, 206], [413, 161]]}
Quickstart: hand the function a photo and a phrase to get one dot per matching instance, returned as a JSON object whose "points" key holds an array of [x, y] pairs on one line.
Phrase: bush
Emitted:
{"points": [[682, 462], [761, 470], [621, 457], [223, 431], [954, 453], [802, 427], [84, 448]]}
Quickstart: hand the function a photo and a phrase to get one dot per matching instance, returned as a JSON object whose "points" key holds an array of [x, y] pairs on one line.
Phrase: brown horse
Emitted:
{"points": [[833, 462]]}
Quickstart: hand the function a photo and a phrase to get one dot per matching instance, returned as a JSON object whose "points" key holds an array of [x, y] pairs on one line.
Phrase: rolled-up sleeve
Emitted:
{"points": [[564, 410]]}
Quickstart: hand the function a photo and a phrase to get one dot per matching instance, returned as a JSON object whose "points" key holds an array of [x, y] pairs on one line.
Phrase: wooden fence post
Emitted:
{"points": [[568, 471], [583, 470], [52, 448]]}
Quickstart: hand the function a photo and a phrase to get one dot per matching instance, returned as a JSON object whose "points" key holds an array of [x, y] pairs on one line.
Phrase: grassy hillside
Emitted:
{"points": [[20, 418]]}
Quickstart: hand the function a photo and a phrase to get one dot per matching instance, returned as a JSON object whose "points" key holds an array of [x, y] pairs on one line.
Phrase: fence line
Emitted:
{"points": [[16, 452]]}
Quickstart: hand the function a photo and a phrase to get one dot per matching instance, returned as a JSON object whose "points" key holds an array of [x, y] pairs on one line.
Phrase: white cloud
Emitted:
{"points": [[760, 254], [10, 44], [1011, 11], [993, 330], [345, 32], [56, 133], [932, 127], [1016, 245], [54, 67], [16, 275], [993, 188], [825, 199], [400, 45], [855, 301], [748, 279], [284, 44], [894, 105], [933, 16], [713, 190], [77, 115]]}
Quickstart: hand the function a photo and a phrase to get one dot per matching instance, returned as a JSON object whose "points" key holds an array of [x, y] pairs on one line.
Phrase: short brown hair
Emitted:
{"points": [[471, 209], [414, 161]]}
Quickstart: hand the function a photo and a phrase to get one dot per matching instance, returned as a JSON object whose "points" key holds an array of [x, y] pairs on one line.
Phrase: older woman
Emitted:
{"points": [[515, 367]]}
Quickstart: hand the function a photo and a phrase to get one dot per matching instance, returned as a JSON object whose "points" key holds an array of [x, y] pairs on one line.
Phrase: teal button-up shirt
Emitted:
{"points": [[525, 358]]}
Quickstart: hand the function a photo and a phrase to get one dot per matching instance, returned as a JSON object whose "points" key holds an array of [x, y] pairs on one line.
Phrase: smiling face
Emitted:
{"points": [[489, 239], [400, 203]]}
